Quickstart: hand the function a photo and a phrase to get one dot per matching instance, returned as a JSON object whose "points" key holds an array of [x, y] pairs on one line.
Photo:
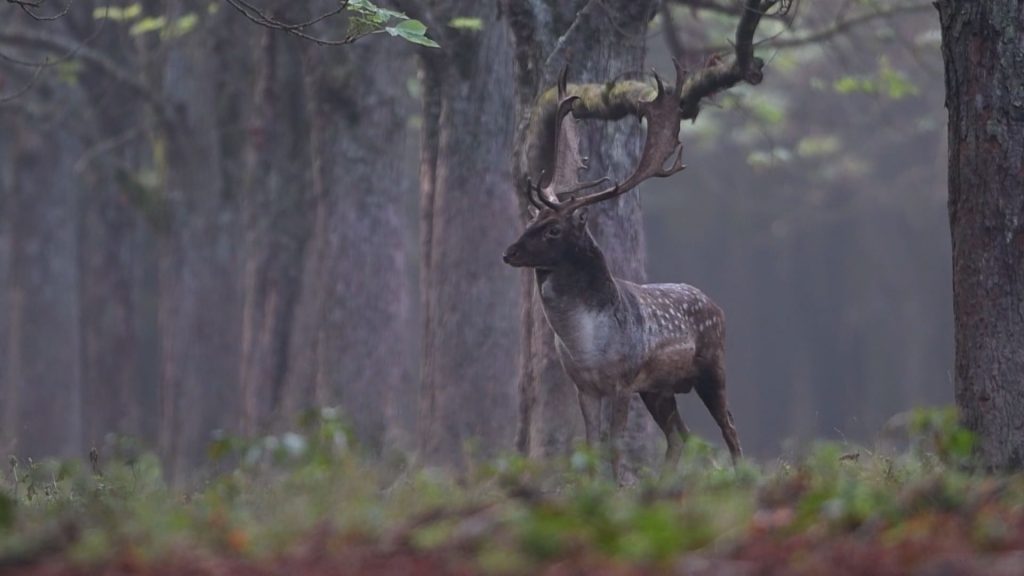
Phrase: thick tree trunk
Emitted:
{"points": [[470, 343], [276, 209], [200, 296], [603, 41], [352, 344], [43, 405], [983, 47]]}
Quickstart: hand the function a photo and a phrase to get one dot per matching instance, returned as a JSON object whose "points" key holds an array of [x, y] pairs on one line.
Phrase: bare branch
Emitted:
{"points": [[47, 62], [103, 148], [261, 18], [27, 6], [4, 99], [841, 26], [70, 49]]}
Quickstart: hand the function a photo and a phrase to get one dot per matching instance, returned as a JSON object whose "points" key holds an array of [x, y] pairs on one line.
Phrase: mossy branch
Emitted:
{"points": [[616, 100]]}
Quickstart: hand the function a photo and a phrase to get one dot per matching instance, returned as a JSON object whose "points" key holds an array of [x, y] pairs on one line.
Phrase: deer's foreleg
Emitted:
{"points": [[590, 405]]}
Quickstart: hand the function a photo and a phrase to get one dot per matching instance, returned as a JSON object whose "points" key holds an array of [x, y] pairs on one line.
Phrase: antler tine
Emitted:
{"points": [[563, 82], [564, 108], [677, 92], [662, 142], [657, 80], [537, 196], [567, 194], [531, 197]]}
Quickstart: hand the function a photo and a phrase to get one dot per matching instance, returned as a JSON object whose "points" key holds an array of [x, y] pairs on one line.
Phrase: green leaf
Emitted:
{"points": [[412, 27], [413, 31], [151, 24], [68, 71], [373, 12], [182, 25], [464, 23], [768, 112], [894, 83], [817, 146], [889, 82], [117, 13], [854, 84]]}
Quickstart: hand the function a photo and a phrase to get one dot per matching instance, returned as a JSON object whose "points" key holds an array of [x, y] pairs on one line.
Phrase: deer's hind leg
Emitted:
{"points": [[711, 389], [665, 412]]}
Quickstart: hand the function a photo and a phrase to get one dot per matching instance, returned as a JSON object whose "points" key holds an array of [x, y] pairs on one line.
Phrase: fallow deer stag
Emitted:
{"points": [[616, 338]]}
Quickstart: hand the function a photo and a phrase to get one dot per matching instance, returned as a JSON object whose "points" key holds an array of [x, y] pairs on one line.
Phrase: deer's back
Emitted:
{"points": [[683, 334]]}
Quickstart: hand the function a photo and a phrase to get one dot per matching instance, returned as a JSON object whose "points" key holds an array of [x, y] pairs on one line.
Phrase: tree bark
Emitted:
{"points": [[200, 288], [276, 211], [470, 345], [983, 49], [110, 256], [113, 249], [7, 426], [44, 400], [352, 345], [603, 41]]}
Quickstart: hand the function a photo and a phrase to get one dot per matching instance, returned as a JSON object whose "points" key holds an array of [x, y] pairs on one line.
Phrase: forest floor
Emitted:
{"points": [[306, 503]]}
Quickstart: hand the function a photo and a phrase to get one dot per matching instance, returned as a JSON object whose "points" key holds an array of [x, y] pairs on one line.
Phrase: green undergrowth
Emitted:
{"points": [[506, 515]]}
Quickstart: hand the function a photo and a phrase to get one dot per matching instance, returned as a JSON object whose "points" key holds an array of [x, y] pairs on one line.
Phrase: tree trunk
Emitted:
{"points": [[200, 296], [983, 48], [7, 426], [352, 345], [276, 210], [603, 41], [112, 249], [110, 256], [44, 400], [470, 345]]}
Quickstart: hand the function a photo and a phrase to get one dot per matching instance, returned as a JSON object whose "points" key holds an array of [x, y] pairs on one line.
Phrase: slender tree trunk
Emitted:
{"points": [[41, 361], [983, 48], [7, 426], [112, 249], [472, 299], [110, 254], [276, 210], [603, 41], [352, 344], [200, 296]]}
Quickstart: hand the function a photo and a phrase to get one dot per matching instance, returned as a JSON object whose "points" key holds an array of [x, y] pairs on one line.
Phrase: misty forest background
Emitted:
{"points": [[208, 226]]}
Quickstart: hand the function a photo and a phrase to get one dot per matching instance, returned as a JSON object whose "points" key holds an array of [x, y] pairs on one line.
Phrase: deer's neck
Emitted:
{"points": [[583, 306], [582, 280]]}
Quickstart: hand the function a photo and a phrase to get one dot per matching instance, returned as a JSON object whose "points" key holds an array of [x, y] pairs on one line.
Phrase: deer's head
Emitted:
{"points": [[558, 230], [552, 237]]}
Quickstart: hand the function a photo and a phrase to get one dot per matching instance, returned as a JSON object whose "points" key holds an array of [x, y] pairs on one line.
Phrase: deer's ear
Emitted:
{"points": [[580, 216]]}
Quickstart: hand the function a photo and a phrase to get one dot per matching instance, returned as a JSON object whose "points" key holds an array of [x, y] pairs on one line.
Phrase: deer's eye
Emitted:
{"points": [[553, 231]]}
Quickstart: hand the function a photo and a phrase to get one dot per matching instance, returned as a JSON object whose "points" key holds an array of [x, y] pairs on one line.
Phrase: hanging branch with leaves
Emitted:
{"points": [[364, 19]]}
